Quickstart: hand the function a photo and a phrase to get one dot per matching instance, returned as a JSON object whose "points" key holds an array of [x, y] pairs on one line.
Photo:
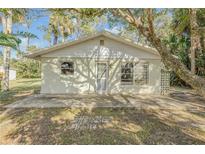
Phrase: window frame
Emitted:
{"points": [[102, 42], [132, 74], [145, 74], [71, 72]]}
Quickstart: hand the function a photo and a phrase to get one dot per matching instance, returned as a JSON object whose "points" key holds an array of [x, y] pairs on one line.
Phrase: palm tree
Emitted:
{"points": [[7, 30], [27, 35], [60, 24], [8, 40], [7, 18]]}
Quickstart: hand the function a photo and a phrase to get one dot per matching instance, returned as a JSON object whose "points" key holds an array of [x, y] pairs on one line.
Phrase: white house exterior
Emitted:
{"points": [[12, 73], [102, 63]]}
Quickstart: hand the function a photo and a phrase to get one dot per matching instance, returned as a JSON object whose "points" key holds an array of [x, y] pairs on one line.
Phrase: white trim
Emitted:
{"points": [[107, 76], [134, 73], [129, 83]]}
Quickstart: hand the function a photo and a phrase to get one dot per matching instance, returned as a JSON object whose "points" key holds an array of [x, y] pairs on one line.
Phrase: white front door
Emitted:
{"points": [[102, 76]]}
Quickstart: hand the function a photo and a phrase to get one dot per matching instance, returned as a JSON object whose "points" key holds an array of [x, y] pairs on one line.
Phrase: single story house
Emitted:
{"points": [[12, 73], [101, 63]]}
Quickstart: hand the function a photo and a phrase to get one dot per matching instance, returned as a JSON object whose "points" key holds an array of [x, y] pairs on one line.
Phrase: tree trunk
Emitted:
{"points": [[195, 38], [63, 38], [62, 31], [172, 62], [7, 29], [55, 40], [196, 82], [28, 43], [28, 38]]}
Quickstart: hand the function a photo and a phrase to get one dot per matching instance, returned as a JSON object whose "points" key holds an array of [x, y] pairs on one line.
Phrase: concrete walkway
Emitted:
{"points": [[176, 101]]}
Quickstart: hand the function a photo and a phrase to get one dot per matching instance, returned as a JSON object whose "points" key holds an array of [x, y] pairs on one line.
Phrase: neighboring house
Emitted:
{"points": [[102, 63], [12, 73]]}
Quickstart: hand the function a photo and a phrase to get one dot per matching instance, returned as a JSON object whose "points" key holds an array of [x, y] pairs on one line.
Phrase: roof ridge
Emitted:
{"points": [[82, 39]]}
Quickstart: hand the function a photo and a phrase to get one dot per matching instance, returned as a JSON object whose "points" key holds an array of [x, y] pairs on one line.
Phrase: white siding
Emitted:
{"points": [[53, 81], [85, 55], [111, 49]]}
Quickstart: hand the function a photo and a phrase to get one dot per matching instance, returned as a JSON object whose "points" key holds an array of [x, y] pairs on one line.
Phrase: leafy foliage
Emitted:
{"points": [[179, 42], [172, 26], [26, 35], [9, 40], [27, 68]]}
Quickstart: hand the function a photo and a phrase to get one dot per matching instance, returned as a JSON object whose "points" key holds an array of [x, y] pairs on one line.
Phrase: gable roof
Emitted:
{"points": [[109, 35]]}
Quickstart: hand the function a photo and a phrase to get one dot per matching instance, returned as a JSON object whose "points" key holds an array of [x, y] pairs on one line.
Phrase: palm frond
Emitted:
{"points": [[9, 41]]}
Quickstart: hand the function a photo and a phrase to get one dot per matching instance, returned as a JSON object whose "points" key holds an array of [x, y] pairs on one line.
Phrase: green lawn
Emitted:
{"points": [[19, 89]]}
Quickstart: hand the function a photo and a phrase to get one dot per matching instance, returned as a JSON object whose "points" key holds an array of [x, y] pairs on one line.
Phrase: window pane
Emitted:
{"points": [[67, 68], [126, 70], [127, 73], [67, 65]]}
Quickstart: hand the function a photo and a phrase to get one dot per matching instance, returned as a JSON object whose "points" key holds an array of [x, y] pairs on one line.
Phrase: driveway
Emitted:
{"points": [[174, 101]]}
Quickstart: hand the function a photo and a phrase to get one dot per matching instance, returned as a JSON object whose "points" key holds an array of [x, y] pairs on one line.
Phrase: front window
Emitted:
{"points": [[67, 68], [127, 73], [134, 73]]}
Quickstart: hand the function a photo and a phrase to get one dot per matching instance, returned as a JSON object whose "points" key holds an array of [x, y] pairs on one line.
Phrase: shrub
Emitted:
{"points": [[28, 68]]}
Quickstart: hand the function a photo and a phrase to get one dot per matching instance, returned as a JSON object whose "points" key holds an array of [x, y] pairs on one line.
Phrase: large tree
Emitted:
{"points": [[9, 40], [7, 18], [144, 22], [186, 24], [60, 24], [145, 25], [195, 38], [7, 29]]}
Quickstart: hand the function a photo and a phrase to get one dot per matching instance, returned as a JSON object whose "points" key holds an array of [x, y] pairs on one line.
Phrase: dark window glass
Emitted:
{"points": [[102, 42], [67, 68], [127, 73]]}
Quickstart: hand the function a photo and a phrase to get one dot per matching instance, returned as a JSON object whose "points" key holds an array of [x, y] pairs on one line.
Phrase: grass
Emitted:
{"points": [[128, 126], [19, 89], [125, 125]]}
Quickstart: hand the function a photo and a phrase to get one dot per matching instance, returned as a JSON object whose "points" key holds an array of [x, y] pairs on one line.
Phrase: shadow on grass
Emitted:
{"points": [[187, 96], [129, 126], [9, 97]]}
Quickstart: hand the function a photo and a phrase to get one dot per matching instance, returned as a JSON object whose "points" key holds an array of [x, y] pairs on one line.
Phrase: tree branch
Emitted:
{"points": [[150, 19], [198, 83]]}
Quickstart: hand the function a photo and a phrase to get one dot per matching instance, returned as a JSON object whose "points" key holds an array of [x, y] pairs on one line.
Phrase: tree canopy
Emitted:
{"points": [[177, 34]]}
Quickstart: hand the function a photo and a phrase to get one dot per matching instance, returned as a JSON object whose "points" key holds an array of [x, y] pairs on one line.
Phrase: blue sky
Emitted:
{"points": [[43, 21], [41, 42]]}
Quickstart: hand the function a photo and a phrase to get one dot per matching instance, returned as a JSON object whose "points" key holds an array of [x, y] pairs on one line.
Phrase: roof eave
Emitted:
{"points": [[105, 34], [32, 56]]}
